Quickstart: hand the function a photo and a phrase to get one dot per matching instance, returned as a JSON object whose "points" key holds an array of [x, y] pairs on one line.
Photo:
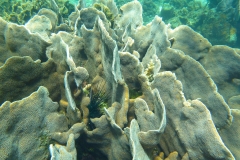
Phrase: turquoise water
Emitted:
{"points": [[216, 20]]}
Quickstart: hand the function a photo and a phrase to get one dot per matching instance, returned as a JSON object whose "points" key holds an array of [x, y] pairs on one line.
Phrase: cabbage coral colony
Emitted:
{"points": [[102, 85]]}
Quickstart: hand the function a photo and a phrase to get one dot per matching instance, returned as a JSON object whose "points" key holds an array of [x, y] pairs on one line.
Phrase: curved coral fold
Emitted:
{"points": [[122, 89]]}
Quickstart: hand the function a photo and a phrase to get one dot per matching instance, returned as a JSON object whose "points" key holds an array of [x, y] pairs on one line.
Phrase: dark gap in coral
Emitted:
{"points": [[134, 93], [86, 151], [90, 125], [120, 89], [83, 55]]}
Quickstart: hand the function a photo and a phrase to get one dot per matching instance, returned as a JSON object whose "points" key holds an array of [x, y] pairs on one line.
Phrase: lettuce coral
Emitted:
{"points": [[168, 92]]}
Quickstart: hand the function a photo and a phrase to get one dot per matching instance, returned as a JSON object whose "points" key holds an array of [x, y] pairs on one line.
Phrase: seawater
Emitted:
{"points": [[216, 20]]}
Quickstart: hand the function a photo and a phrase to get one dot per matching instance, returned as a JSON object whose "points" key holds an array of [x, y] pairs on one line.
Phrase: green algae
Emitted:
{"points": [[21, 11], [134, 93], [101, 7]]}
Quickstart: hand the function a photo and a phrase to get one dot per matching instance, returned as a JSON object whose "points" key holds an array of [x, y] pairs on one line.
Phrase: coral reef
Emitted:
{"points": [[21, 137], [218, 21], [21, 11], [122, 89], [20, 76]]}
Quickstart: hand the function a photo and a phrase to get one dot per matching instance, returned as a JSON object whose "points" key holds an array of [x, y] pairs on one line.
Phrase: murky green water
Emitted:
{"points": [[216, 20]]}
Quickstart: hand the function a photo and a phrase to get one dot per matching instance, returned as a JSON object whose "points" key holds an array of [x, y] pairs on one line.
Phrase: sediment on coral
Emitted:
{"points": [[123, 89]]}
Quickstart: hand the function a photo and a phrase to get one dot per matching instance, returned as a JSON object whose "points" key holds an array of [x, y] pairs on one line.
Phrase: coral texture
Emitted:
{"points": [[20, 123], [123, 89]]}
